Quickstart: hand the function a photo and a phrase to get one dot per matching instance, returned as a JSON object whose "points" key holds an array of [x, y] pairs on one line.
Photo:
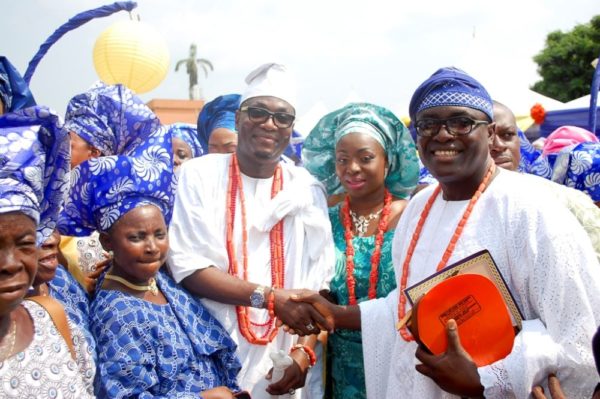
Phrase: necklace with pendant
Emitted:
{"points": [[152, 287], [361, 223]]}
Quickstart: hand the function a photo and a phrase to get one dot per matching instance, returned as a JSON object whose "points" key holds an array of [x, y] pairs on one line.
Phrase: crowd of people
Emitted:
{"points": [[142, 260]]}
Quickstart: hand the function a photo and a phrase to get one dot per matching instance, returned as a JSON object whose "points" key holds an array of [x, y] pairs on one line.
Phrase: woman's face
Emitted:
{"points": [[81, 150], [18, 258], [222, 141], [181, 152], [139, 242], [47, 259], [360, 164]]}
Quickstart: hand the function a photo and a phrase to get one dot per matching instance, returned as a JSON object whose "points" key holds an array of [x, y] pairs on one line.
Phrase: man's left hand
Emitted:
{"points": [[454, 371]]}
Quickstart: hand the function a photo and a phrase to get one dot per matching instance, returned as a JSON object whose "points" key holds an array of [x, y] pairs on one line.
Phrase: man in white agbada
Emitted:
{"points": [[209, 196], [544, 255]]}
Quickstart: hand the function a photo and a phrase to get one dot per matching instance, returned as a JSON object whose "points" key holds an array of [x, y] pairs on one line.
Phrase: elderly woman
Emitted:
{"points": [[42, 354], [185, 143], [366, 152], [153, 338]]}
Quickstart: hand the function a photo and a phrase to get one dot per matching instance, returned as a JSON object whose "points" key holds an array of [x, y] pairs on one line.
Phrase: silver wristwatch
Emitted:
{"points": [[257, 298]]}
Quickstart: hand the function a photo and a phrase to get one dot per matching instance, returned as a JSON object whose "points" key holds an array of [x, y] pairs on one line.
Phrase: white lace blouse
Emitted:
{"points": [[45, 369]]}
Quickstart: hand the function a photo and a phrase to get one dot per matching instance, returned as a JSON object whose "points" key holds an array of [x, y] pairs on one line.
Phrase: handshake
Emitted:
{"points": [[304, 312]]}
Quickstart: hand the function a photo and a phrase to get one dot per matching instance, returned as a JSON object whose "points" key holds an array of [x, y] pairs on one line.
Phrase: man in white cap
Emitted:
{"points": [[247, 229]]}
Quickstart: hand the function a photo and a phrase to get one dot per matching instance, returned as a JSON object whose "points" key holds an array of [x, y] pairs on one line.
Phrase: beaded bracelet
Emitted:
{"points": [[310, 354]]}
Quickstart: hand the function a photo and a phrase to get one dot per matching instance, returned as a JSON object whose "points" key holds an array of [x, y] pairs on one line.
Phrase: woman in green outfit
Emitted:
{"points": [[364, 151]]}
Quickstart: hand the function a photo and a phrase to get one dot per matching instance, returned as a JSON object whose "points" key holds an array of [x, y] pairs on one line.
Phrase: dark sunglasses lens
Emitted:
{"points": [[460, 125], [284, 120], [258, 114]]}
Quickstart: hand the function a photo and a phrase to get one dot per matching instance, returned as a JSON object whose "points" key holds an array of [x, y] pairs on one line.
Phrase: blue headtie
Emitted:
{"points": [[14, 92], [104, 189], [532, 161], [187, 133], [451, 87], [218, 113], [34, 166], [579, 167], [110, 118]]}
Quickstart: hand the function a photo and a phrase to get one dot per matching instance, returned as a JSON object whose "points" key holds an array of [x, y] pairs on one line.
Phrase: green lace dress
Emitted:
{"points": [[345, 358]]}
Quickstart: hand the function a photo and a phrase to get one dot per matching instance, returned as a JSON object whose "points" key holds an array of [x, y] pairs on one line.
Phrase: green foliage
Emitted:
{"points": [[564, 64]]}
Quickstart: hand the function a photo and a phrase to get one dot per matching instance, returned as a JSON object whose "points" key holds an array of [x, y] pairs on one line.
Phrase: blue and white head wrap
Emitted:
{"points": [[451, 87], [110, 118], [532, 161], [579, 167], [34, 166], [379, 123], [187, 133], [104, 189], [218, 113], [14, 91]]}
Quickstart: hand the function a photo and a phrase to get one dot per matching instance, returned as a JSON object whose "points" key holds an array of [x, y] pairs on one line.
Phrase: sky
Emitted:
{"points": [[340, 50]]}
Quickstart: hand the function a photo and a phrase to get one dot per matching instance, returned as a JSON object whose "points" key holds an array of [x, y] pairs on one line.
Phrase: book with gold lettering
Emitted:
{"points": [[473, 292]]}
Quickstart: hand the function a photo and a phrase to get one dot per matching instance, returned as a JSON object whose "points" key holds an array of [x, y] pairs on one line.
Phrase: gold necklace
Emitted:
{"points": [[6, 349], [150, 287]]}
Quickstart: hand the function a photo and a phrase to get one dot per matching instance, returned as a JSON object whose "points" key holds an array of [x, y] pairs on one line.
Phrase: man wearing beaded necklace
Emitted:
{"points": [[247, 229], [544, 255]]}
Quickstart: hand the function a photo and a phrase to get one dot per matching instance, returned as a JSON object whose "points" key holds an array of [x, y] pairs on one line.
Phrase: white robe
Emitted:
{"points": [[550, 267], [197, 239]]}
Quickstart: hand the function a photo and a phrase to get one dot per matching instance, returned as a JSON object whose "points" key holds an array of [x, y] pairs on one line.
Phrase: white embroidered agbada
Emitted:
{"points": [[197, 239], [549, 264]]}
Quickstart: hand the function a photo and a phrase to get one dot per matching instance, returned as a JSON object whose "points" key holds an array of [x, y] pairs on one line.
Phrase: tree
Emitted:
{"points": [[565, 63]]}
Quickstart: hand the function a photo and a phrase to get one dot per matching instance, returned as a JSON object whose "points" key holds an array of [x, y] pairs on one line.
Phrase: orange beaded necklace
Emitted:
{"points": [[449, 249], [375, 257], [277, 255]]}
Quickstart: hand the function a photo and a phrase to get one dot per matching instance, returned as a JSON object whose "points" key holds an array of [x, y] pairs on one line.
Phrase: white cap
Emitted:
{"points": [[272, 80]]}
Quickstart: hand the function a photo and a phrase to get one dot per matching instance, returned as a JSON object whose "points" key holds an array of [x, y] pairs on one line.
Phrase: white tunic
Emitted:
{"points": [[197, 239], [549, 265]]}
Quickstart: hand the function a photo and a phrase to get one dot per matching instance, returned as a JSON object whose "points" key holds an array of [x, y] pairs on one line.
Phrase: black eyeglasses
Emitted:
{"points": [[456, 126], [258, 115]]}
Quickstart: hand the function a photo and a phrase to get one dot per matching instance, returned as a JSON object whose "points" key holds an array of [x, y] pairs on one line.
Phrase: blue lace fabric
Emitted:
{"points": [[65, 289], [345, 346], [147, 350]]}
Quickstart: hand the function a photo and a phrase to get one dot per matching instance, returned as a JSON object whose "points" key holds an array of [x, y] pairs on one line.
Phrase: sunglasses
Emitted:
{"points": [[258, 115], [456, 126]]}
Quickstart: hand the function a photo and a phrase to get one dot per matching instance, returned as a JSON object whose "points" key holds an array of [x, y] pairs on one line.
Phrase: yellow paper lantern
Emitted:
{"points": [[131, 53]]}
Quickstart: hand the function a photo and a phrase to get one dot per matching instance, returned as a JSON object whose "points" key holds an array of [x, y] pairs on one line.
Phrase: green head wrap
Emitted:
{"points": [[318, 152]]}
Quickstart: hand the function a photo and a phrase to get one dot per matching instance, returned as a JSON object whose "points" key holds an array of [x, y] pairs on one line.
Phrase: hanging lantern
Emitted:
{"points": [[131, 53]]}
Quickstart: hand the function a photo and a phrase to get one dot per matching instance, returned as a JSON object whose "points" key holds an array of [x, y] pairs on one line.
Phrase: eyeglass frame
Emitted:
{"points": [[271, 115], [444, 122]]}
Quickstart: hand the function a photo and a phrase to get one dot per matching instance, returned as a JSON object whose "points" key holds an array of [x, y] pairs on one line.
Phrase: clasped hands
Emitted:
{"points": [[303, 312]]}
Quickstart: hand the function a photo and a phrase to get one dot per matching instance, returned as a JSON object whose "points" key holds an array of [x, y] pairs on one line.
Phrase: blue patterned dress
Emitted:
{"points": [[147, 350], [65, 289], [345, 346]]}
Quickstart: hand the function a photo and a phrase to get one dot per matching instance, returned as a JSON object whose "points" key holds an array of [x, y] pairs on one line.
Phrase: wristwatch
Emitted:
{"points": [[257, 298]]}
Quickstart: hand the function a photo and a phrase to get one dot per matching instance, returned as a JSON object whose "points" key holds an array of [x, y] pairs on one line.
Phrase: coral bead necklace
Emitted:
{"points": [[376, 255], [449, 249], [277, 254]]}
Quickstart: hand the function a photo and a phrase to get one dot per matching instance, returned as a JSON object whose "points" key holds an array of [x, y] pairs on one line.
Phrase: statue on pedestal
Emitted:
{"points": [[191, 66]]}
